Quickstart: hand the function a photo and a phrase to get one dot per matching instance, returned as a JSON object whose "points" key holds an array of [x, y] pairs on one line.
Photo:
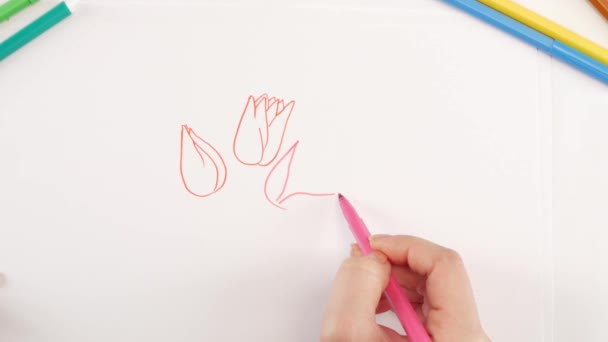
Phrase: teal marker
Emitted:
{"points": [[36, 28], [12, 7]]}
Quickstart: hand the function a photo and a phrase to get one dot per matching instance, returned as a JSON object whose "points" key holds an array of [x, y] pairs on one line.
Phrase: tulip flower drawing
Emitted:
{"points": [[276, 183], [261, 130], [202, 167], [257, 142]]}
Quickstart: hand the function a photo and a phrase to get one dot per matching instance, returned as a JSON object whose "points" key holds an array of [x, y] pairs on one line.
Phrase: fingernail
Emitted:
{"points": [[355, 250], [379, 257]]}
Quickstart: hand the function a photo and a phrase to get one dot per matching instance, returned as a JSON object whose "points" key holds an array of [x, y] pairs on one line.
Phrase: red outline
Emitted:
{"points": [[280, 199], [256, 103], [200, 151], [273, 108], [268, 104], [280, 103]]}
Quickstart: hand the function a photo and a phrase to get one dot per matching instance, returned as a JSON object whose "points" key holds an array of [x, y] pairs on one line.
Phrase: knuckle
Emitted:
{"points": [[450, 257], [361, 265], [349, 262]]}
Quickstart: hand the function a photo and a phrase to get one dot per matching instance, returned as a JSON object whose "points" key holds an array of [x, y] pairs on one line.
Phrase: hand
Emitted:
{"points": [[433, 278]]}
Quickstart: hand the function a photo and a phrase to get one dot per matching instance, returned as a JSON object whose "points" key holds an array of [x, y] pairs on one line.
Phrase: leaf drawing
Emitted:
{"points": [[277, 181]]}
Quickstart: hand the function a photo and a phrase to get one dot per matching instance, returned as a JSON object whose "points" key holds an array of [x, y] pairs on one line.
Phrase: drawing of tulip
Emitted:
{"points": [[276, 183], [202, 167], [257, 141], [261, 129]]}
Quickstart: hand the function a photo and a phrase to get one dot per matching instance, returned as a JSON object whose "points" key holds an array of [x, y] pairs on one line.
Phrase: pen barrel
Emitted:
{"points": [[405, 312], [10, 8], [33, 30], [602, 7]]}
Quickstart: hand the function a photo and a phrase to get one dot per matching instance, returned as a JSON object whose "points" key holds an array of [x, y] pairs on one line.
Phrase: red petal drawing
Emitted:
{"points": [[252, 132], [261, 129], [277, 115], [201, 166], [277, 180]]}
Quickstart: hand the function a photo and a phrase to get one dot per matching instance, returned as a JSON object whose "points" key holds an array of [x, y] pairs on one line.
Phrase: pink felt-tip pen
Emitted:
{"points": [[401, 305]]}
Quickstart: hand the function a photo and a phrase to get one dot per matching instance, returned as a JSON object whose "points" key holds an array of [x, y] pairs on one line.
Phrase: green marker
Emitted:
{"points": [[36, 28], [11, 7]]}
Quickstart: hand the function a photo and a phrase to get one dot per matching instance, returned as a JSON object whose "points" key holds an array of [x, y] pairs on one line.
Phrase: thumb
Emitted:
{"points": [[357, 289]]}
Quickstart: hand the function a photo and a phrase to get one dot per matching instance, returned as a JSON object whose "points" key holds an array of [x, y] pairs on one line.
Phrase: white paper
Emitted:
{"points": [[580, 236], [402, 111]]}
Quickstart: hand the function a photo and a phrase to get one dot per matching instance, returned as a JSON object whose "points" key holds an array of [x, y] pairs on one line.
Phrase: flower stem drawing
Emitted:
{"points": [[284, 165]]}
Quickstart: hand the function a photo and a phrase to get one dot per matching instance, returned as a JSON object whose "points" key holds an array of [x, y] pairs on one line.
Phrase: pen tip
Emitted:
{"points": [[340, 196]]}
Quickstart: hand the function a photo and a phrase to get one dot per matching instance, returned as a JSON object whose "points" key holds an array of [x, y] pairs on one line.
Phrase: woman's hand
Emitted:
{"points": [[433, 278]]}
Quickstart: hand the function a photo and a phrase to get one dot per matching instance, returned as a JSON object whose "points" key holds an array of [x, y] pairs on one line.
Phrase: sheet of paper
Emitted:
{"points": [[579, 105], [102, 238], [580, 236]]}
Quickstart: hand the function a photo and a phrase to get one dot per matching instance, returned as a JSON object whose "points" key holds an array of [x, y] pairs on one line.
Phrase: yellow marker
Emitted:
{"points": [[549, 28]]}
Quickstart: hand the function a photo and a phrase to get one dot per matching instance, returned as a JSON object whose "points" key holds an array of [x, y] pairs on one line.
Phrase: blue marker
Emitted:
{"points": [[542, 42]]}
